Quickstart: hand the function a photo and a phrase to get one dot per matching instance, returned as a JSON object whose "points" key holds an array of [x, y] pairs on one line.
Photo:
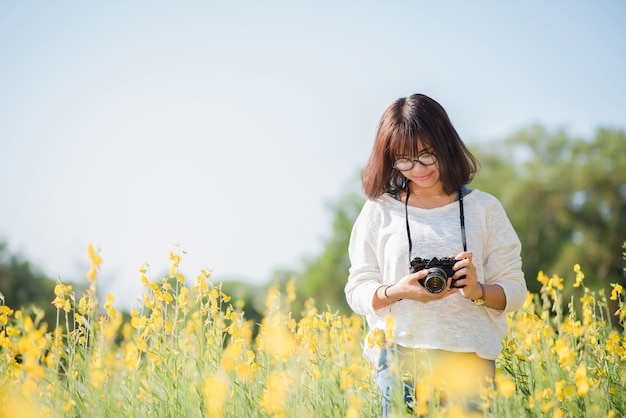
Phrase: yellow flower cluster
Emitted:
{"points": [[188, 350], [562, 361]]}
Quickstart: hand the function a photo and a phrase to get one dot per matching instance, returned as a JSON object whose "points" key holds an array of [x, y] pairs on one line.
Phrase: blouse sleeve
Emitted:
{"points": [[364, 275], [503, 262]]}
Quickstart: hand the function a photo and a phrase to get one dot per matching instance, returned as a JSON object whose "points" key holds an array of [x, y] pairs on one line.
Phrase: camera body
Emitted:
{"points": [[439, 269]]}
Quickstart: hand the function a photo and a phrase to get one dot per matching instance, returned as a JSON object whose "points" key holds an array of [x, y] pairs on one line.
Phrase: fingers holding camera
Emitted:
{"points": [[423, 290], [464, 263], [467, 278], [490, 295], [409, 287]]}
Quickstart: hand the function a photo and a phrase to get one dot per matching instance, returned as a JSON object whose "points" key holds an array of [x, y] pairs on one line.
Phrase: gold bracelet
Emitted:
{"points": [[481, 300]]}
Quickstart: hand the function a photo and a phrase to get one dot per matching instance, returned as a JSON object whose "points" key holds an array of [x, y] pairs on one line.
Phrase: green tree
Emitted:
{"points": [[566, 197], [24, 287]]}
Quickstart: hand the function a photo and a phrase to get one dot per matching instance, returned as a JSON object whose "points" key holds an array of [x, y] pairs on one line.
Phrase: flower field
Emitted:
{"points": [[189, 351]]}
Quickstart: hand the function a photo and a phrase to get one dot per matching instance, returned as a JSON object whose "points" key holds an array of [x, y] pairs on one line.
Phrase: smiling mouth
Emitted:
{"points": [[422, 178]]}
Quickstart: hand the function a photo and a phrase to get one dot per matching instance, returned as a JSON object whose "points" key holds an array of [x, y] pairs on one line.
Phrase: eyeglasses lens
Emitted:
{"points": [[405, 164]]}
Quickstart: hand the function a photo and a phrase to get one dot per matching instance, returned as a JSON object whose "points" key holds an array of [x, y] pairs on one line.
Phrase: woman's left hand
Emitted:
{"points": [[465, 267]]}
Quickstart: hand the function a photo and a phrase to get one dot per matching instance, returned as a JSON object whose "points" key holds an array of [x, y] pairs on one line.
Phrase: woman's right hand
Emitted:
{"points": [[409, 287]]}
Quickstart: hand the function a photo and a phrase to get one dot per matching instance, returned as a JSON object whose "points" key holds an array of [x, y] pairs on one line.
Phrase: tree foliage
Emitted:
{"points": [[23, 287], [566, 197]]}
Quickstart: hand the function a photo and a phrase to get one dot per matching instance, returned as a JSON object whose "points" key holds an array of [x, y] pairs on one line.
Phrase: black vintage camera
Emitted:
{"points": [[439, 269]]}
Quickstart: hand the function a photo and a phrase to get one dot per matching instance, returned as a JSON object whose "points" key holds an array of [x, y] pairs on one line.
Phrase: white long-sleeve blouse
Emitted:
{"points": [[379, 254]]}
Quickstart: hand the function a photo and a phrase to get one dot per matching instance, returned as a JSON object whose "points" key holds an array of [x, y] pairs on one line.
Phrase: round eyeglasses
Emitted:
{"points": [[405, 164]]}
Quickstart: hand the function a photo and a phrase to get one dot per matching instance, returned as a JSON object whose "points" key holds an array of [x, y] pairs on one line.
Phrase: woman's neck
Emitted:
{"points": [[429, 198]]}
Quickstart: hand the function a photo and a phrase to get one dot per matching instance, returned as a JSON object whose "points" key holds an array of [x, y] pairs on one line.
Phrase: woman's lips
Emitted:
{"points": [[422, 178]]}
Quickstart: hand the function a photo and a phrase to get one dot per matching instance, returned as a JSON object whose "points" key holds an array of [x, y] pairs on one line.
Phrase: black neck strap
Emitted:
{"points": [[461, 218]]}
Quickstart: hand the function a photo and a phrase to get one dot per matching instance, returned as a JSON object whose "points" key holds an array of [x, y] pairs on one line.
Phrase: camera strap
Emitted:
{"points": [[461, 218]]}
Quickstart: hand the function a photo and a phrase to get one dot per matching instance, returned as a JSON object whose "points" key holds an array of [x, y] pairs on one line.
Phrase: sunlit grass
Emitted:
{"points": [[189, 350]]}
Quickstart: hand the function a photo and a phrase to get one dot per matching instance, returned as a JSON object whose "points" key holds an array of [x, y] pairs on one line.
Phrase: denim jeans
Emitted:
{"points": [[432, 378]]}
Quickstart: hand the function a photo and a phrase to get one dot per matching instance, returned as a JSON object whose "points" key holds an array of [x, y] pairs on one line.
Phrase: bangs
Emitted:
{"points": [[402, 144]]}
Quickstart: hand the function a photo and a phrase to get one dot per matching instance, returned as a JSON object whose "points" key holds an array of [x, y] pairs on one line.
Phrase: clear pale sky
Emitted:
{"points": [[227, 127]]}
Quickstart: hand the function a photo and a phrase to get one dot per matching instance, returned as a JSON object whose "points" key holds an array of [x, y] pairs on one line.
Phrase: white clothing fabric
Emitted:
{"points": [[379, 254]]}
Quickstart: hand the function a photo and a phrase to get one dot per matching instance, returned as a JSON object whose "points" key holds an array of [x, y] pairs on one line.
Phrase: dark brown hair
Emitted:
{"points": [[407, 122]]}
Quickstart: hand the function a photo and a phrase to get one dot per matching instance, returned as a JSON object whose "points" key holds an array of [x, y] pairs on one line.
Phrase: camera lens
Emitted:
{"points": [[436, 280]]}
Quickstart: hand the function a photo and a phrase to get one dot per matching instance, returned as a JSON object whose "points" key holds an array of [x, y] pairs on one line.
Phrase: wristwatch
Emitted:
{"points": [[481, 300]]}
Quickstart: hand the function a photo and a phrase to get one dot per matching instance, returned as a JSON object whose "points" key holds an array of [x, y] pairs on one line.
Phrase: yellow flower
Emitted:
{"points": [[542, 278], [131, 355], [231, 355], [144, 277], [167, 297], [579, 275], [575, 328], [352, 412], [272, 301], [108, 305], [175, 263], [588, 301], [566, 355], [347, 380], [275, 338], [617, 290], [83, 305], [216, 391], [95, 262], [182, 299], [60, 303], [245, 369], [558, 389], [69, 405], [142, 344], [620, 313], [273, 400], [96, 373], [180, 278], [390, 324], [582, 383], [291, 323], [138, 322], [62, 290], [422, 394], [613, 341], [555, 282], [290, 287], [14, 404], [314, 371], [506, 386], [375, 338], [5, 313]]}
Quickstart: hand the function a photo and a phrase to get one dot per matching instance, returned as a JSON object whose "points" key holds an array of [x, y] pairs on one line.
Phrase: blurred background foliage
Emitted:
{"points": [[22, 285], [565, 196]]}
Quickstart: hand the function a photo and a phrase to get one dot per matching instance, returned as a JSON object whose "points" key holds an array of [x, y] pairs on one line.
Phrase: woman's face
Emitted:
{"points": [[426, 175]]}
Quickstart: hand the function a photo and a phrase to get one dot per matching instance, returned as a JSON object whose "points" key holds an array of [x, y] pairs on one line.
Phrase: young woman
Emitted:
{"points": [[420, 219]]}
